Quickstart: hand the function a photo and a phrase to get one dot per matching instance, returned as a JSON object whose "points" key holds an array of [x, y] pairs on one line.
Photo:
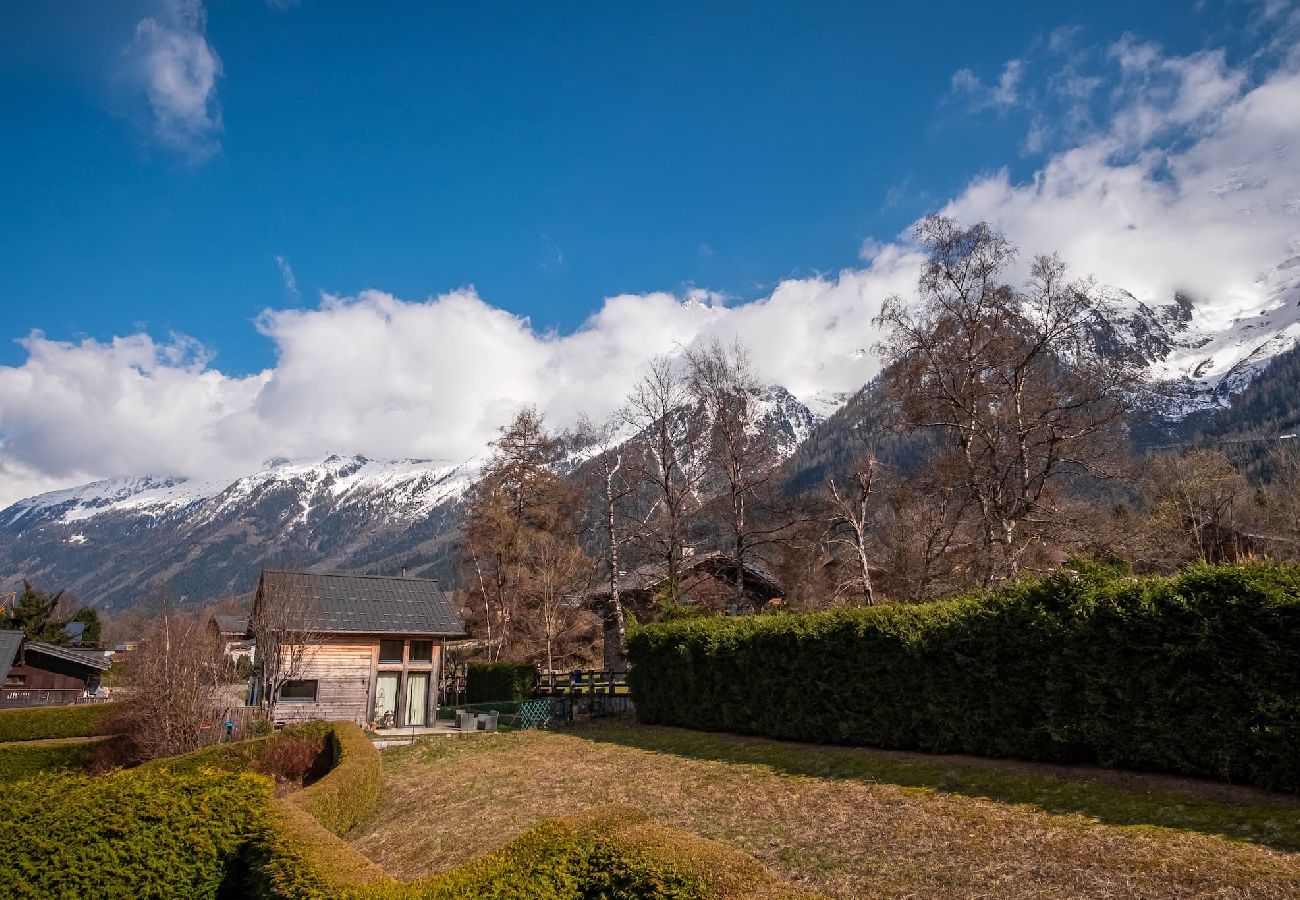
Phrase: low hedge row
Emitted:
{"points": [[487, 682], [610, 852], [349, 794], [18, 762], [131, 834], [45, 722], [1196, 674]]}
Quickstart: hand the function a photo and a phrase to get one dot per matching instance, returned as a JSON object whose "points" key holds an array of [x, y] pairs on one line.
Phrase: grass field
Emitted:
{"points": [[847, 822]]}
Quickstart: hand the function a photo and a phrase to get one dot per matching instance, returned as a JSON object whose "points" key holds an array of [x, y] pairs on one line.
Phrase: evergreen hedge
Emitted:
{"points": [[19, 761], [1198, 673], [131, 834], [38, 723], [486, 682]]}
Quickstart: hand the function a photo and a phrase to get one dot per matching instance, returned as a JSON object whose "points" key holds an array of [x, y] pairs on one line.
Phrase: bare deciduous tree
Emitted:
{"points": [[852, 510], [658, 409], [172, 687], [741, 455], [1009, 377], [284, 626]]}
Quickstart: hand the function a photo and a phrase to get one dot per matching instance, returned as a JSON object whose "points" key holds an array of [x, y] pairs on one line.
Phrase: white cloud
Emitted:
{"points": [[176, 68], [1205, 207], [1002, 94], [287, 277]]}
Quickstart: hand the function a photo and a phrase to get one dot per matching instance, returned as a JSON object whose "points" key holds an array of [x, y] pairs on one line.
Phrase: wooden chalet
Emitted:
{"points": [[377, 650], [707, 581], [40, 674]]}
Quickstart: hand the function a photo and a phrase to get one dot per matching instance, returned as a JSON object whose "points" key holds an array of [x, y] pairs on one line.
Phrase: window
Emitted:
{"points": [[15, 680], [390, 651], [421, 651], [302, 691]]}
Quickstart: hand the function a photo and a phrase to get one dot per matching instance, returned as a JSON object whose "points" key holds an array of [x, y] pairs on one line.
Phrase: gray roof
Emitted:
{"points": [[371, 604], [650, 576], [80, 657], [232, 624], [10, 641]]}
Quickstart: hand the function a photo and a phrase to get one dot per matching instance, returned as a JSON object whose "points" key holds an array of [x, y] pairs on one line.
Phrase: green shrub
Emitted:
{"points": [[487, 682], [349, 794], [1196, 674], [44, 722], [604, 853], [23, 762], [129, 834]]}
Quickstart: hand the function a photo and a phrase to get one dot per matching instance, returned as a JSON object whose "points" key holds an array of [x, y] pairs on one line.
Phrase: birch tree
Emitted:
{"points": [[1008, 377], [741, 454], [852, 509], [658, 411]]}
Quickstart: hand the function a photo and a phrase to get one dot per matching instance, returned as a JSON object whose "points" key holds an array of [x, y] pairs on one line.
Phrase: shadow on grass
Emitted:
{"points": [[1270, 820]]}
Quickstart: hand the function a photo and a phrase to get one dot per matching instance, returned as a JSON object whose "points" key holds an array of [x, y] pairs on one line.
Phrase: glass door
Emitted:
{"points": [[417, 697], [386, 697]]}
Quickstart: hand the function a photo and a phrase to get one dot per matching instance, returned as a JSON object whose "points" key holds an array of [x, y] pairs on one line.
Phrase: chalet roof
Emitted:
{"points": [[10, 641], [370, 604], [650, 576], [67, 654], [231, 625]]}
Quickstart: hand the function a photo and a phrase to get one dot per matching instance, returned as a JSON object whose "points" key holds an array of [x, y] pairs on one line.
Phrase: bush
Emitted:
{"points": [[45, 722], [349, 794], [23, 762], [487, 682], [604, 853], [131, 834], [1195, 674]]}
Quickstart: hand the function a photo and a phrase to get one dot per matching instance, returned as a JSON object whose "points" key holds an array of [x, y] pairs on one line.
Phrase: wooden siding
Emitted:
{"points": [[346, 669], [342, 669]]}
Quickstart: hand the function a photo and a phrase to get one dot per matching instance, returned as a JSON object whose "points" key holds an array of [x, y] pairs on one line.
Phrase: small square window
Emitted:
{"points": [[15, 680], [301, 691], [421, 651], [390, 651]]}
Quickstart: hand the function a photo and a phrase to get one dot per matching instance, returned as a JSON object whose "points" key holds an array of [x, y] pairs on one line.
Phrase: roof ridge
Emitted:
{"points": [[350, 575]]}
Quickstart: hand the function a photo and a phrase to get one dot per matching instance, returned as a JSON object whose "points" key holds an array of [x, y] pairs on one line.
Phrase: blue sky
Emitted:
{"points": [[240, 229], [549, 154]]}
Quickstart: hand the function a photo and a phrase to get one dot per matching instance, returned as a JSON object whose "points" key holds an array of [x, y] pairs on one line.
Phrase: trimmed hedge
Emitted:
{"points": [[40, 723], [1197, 674], [198, 826], [130, 834], [349, 794], [17, 762], [486, 682], [609, 852]]}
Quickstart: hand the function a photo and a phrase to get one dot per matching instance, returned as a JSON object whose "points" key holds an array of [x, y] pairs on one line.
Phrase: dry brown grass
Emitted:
{"points": [[838, 821]]}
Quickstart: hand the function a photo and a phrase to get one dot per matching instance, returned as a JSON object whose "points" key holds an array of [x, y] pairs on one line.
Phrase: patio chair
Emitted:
{"points": [[488, 721], [463, 719]]}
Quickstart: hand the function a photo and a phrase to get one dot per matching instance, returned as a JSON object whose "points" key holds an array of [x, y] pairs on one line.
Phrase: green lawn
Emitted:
{"points": [[847, 822]]}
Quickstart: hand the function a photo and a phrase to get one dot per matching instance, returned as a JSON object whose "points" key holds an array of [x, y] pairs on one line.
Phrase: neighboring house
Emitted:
{"points": [[40, 674], [377, 649], [236, 637], [707, 581]]}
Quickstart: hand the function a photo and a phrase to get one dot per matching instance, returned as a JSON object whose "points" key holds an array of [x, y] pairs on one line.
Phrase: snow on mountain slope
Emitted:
{"points": [[1202, 351]]}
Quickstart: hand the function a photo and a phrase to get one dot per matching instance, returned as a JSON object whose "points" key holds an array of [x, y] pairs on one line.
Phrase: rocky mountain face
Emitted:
{"points": [[112, 542]]}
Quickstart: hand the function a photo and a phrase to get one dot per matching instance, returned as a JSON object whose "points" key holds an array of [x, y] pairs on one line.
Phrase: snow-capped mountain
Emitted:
{"points": [[1201, 352], [114, 541]]}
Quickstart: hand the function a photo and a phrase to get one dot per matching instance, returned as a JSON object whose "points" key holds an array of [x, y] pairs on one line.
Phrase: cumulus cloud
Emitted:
{"points": [[1186, 180], [176, 68]]}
